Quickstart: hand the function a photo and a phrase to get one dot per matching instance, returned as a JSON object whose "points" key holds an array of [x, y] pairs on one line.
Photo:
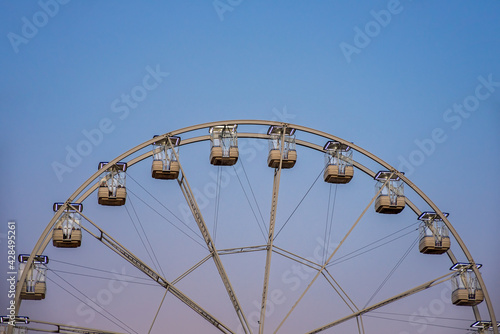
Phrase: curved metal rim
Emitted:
{"points": [[46, 237]]}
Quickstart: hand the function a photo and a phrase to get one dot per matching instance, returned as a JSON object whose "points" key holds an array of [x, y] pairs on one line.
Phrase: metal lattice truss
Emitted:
{"points": [[98, 233]]}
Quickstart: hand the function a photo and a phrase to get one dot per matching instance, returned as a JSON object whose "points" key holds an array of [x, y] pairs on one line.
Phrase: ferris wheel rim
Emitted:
{"points": [[45, 236]]}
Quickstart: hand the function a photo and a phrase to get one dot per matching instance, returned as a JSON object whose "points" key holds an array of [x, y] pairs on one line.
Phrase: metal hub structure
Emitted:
{"points": [[281, 134]]}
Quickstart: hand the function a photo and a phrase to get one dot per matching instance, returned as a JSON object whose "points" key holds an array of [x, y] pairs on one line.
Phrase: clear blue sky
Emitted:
{"points": [[417, 83]]}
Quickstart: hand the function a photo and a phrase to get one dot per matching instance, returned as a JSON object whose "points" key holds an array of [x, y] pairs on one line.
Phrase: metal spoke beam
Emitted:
{"points": [[198, 217], [114, 245], [247, 249], [316, 266], [407, 293], [329, 278], [193, 268], [88, 187], [331, 256], [296, 258], [158, 311], [270, 237]]}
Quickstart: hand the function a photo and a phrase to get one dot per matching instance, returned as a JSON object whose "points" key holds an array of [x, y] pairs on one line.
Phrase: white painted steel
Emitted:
{"points": [[87, 188]]}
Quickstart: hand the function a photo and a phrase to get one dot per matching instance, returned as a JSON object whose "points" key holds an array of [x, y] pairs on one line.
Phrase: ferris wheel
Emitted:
{"points": [[224, 239]]}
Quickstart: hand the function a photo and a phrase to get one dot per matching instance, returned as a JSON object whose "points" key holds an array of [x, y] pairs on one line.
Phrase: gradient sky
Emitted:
{"points": [[416, 83]]}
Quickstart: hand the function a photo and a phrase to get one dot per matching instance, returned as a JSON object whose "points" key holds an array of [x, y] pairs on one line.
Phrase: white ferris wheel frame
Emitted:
{"points": [[79, 195]]}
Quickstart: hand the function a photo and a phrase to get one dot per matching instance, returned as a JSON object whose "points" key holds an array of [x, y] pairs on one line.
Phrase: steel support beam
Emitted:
{"points": [[270, 237], [419, 288], [87, 188], [247, 249], [331, 256], [198, 217], [115, 246]]}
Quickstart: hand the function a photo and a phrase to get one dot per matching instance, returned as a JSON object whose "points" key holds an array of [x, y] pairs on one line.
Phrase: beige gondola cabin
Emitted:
{"points": [[338, 161], [67, 232], [289, 157], [112, 190], [466, 290], [223, 145], [391, 199], [34, 286], [165, 165], [434, 235]]}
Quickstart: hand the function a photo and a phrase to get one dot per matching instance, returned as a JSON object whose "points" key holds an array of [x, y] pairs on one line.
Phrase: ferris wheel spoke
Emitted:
{"points": [[115, 246], [243, 249], [296, 258], [361, 327], [390, 300], [270, 238], [316, 266], [142, 152], [198, 217], [158, 311], [331, 256], [336, 286], [193, 268]]}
